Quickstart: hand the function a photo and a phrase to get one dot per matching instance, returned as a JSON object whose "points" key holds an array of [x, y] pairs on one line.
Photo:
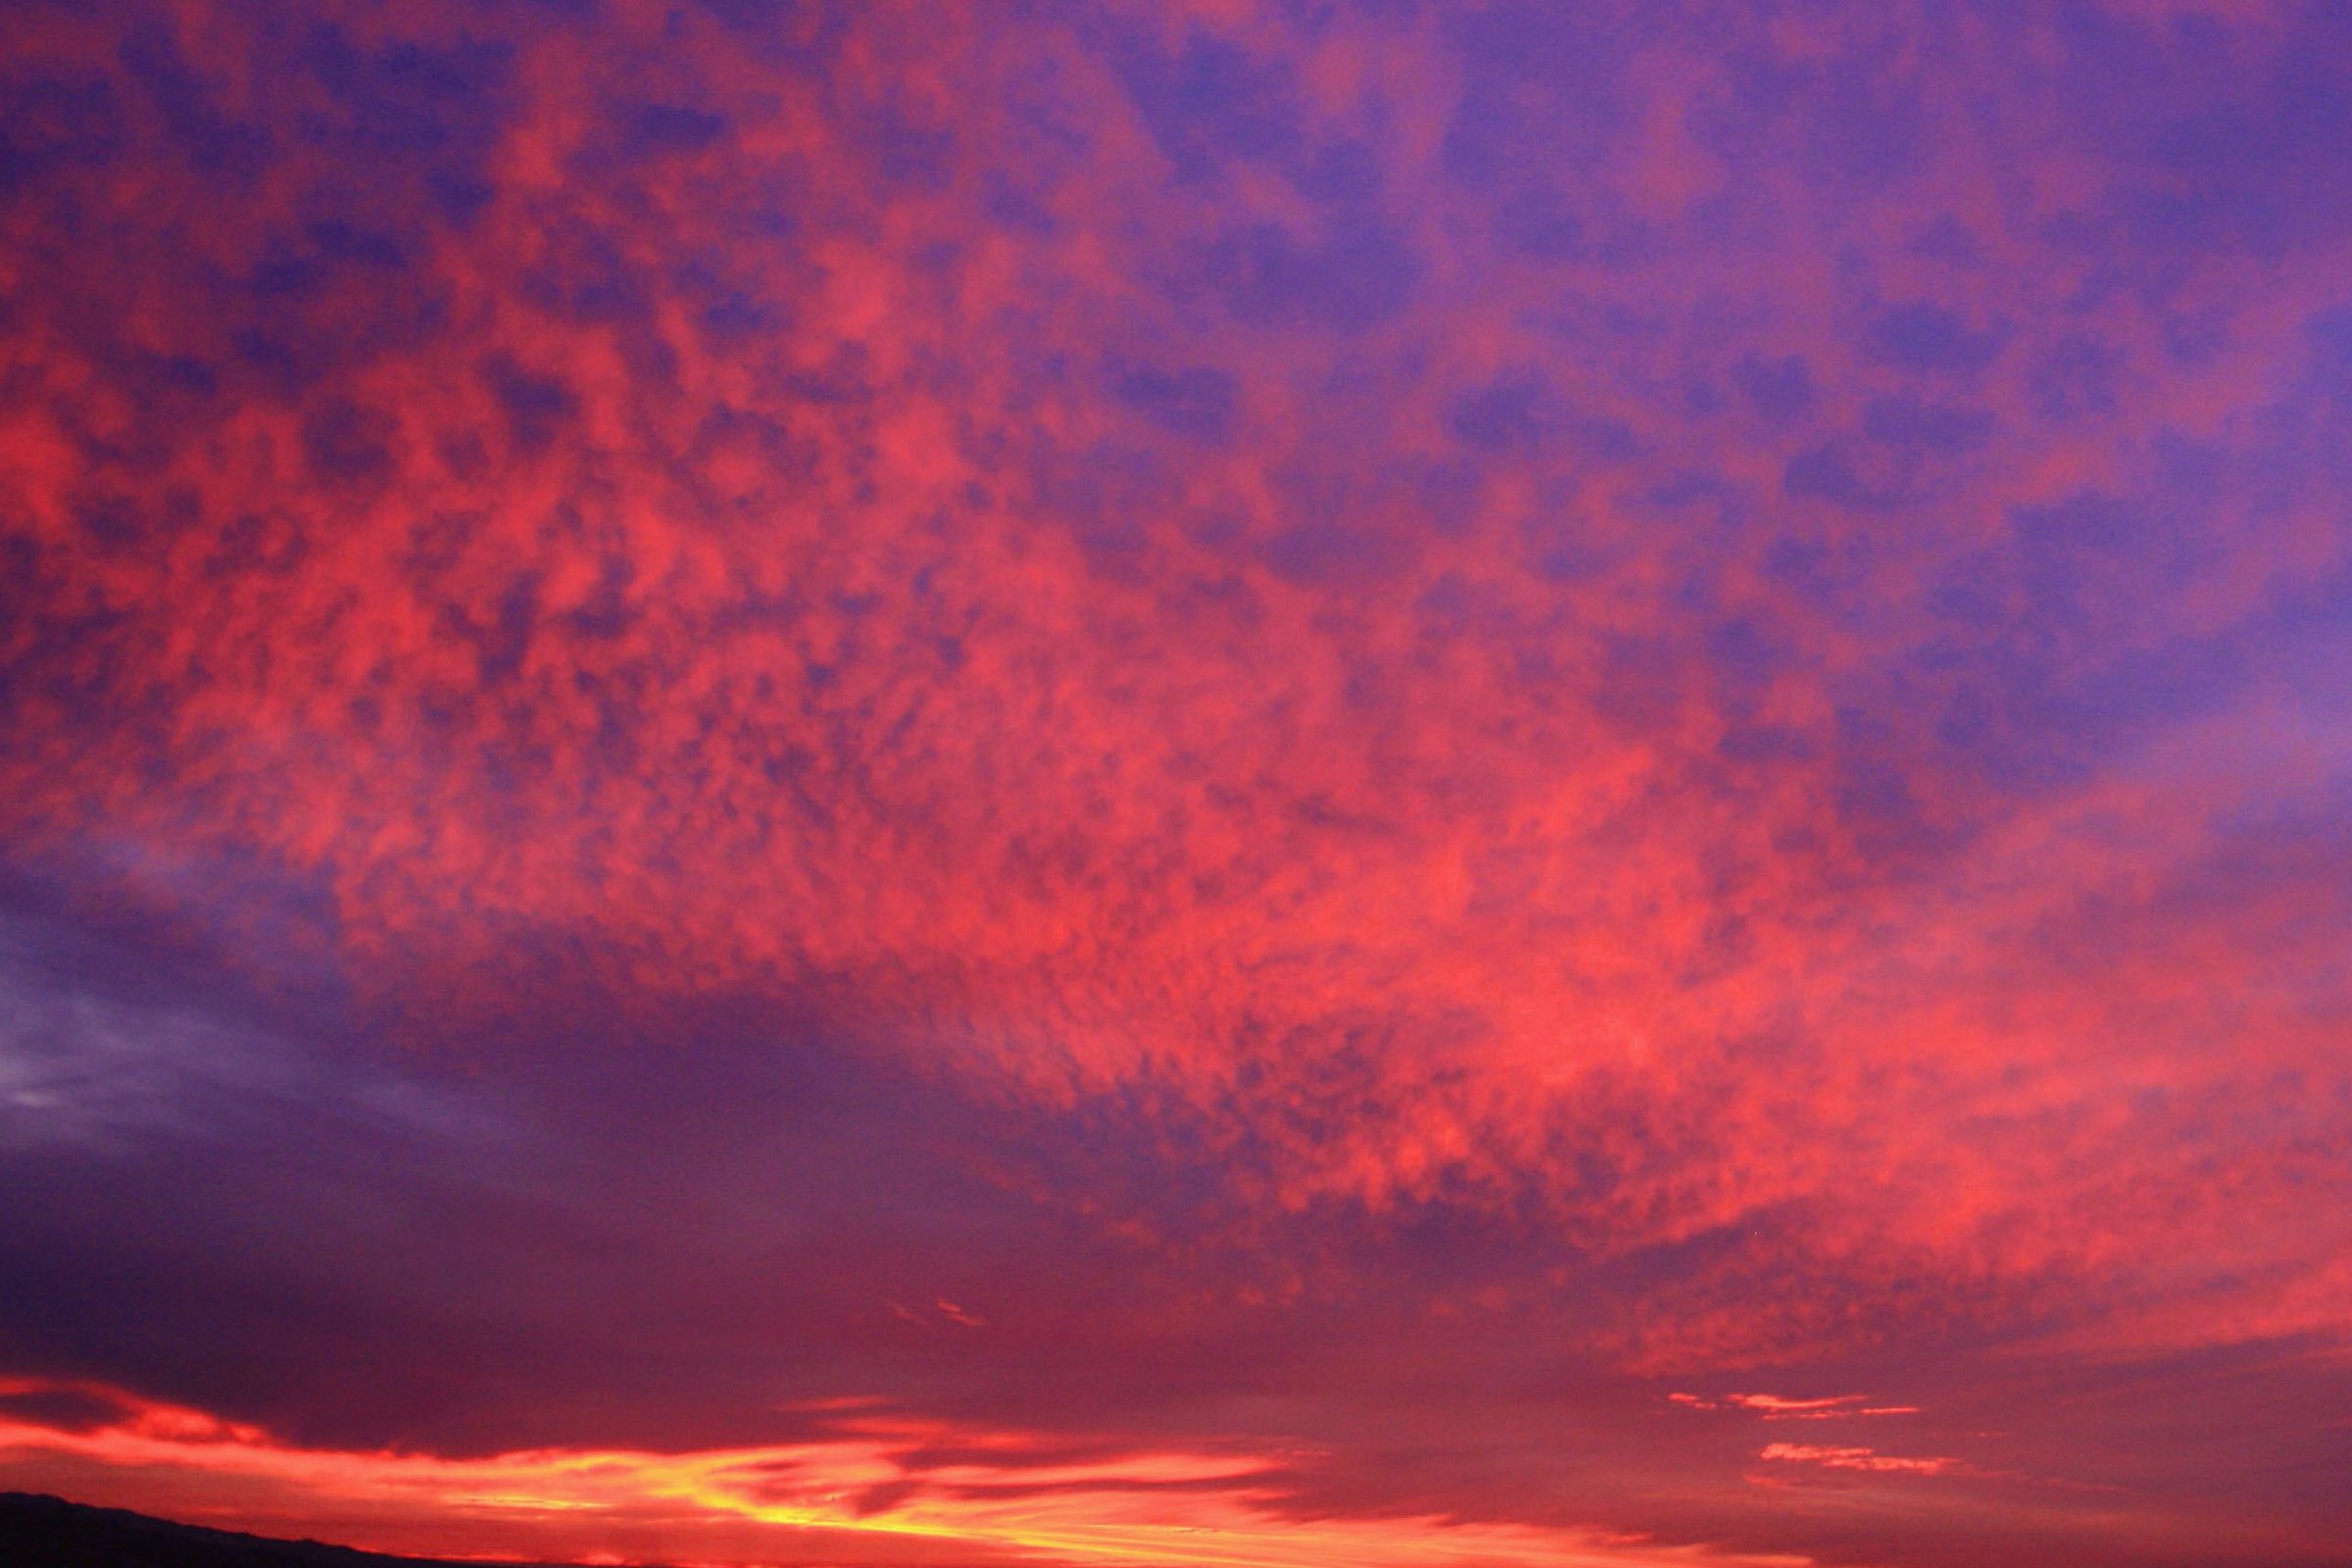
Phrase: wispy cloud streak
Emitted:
{"points": [[878, 1488]]}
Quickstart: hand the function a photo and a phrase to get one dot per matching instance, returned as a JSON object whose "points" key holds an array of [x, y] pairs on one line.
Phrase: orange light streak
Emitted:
{"points": [[862, 1493]]}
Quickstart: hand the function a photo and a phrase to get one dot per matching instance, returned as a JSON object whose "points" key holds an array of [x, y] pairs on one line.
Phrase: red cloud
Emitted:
{"points": [[1777, 1409], [873, 1492], [1851, 1458], [1699, 708], [867, 653]]}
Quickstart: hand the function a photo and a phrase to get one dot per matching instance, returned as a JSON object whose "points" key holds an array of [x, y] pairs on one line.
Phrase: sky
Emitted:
{"points": [[1408, 785]]}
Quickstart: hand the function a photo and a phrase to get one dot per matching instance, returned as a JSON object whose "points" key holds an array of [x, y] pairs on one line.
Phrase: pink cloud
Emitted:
{"points": [[874, 1491], [1774, 1407], [1682, 718], [1859, 1458]]}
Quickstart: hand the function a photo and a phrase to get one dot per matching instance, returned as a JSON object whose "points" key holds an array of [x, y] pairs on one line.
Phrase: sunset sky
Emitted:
{"points": [[1221, 785]]}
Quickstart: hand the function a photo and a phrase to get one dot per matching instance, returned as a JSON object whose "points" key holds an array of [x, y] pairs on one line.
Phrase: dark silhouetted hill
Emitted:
{"points": [[37, 1532]]}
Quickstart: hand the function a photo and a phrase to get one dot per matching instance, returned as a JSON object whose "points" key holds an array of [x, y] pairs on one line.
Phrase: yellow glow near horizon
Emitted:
{"points": [[864, 1494]]}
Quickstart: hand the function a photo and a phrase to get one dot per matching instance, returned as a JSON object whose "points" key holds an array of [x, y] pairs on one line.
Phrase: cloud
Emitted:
{"points": [[875, 1488], [1335, 712], [1856, 1459], [1774, 1407]]}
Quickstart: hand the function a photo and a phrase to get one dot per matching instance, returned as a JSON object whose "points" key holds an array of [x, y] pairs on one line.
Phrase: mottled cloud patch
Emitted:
{"points": [[1640, 700]]}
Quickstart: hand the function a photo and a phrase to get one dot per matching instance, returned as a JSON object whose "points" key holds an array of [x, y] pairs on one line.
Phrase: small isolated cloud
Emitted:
{"points": [[1859, 1458], [1776, 1408], [1775, 1404]]}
